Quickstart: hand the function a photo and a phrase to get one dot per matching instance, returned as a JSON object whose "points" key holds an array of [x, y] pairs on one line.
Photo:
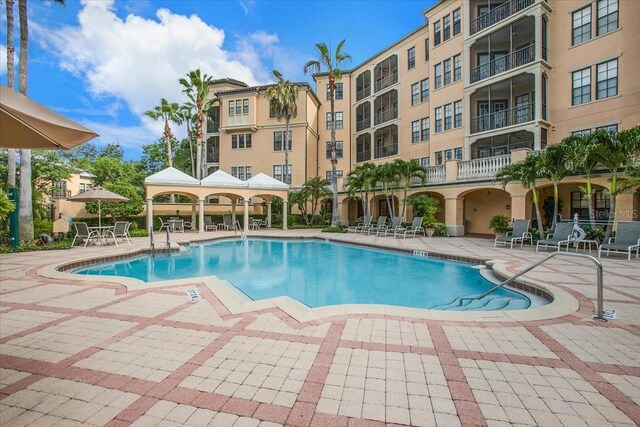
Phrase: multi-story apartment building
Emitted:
{"points": [[479, 85]]}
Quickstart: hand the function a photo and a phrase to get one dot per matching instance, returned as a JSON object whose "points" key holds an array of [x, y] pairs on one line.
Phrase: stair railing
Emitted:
{"points": [[238, 228]]}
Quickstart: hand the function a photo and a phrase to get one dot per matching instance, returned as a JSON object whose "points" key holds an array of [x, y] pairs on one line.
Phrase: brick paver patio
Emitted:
{"points": [[95, 353]]}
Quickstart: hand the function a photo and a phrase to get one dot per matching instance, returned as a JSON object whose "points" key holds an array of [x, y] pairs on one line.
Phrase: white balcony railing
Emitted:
{"points": [[482, 168]]}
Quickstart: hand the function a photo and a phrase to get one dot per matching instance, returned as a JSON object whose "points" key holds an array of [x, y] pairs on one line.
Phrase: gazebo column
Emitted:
{"points": [[269, 214], [245, 221], [149, 214], [285, 209], [233, 211], [193, 215], [200, 215]]}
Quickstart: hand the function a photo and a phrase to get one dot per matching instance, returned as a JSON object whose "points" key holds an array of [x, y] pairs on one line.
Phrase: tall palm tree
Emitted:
{"points": [[526, 172], [408, 171], [190, 119], [362, 180], [11, 153], [196, 86], [617, 151], [283, 96], [167, 112], [387, 177], [583, 160], [555, 166], [332, 66]]}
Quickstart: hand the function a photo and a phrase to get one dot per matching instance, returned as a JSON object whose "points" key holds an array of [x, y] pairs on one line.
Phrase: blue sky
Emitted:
{"points": [[104, 62]]}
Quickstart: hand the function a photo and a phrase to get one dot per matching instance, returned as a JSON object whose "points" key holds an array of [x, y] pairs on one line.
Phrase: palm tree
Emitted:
{"points": [[283, 96], [362, 180], [11, 153], [555, 166], [186, 116], [388, 178], [167, 112], [332, 66], [316, 188], [526, 172], [616, 151], [583, 160], [407, 171], [300, 198], [196, 86]]}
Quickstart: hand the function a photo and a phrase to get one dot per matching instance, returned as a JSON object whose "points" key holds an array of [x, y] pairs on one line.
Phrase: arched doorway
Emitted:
{"points": [[482, 204]]}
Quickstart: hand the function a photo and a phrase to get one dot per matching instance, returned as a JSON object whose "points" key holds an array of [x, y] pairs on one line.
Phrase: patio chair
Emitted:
{"points": [[396, 224], [358, 228], [382, 223], [227, 222], [561, 237], [208, 224], [82, 231], [627, 239], [164, 225], [520, 233], [119, 230], [178, 226], [415, 228]]}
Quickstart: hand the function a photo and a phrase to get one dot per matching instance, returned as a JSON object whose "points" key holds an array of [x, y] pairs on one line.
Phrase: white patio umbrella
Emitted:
{"points": [[98, 194]]}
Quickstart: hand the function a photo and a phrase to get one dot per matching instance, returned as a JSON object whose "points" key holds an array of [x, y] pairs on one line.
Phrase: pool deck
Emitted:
{"points": [[89, 352]]}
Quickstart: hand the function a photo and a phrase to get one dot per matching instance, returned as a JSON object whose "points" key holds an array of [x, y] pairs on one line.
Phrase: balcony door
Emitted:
{"points": [[523, 109], [492, 116], [492, 63]]}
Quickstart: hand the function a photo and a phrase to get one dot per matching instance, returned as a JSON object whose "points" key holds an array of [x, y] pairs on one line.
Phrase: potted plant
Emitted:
{"points": [[499, 224]]}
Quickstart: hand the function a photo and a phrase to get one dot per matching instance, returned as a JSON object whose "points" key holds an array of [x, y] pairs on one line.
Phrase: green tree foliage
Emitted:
{"points": [[316, 188], [283, 97], [6, 205]]}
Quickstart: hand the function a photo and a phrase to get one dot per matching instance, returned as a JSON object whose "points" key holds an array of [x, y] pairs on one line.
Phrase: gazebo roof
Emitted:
{"points": [[265, 181], [171, 176], [222, 179]]}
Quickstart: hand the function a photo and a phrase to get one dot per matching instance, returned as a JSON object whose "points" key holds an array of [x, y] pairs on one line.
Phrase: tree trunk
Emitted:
{"points": [[555, 205], [199, 136], [536, 205], [334, 160], [592, 213], [26, 204], [11, 153], [612, 207], [167, 141], [286, 153], [190, 136], [404, 203]]}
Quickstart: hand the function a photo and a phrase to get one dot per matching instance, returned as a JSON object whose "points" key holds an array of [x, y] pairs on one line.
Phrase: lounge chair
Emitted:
{"points": [[396, 224], [82, 231], [382, 223], [627, 239], [561, 237], [520, 233], [208, 224], [119, 230], [227, 222], [358, 228], [416, 227]]}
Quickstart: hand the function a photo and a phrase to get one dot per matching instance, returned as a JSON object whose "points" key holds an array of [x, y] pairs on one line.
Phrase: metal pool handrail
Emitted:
{"points": [[600, 312], [242, 236]]}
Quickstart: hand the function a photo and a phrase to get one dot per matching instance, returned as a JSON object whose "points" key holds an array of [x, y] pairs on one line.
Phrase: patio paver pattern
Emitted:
{"points": [[93, 353]]}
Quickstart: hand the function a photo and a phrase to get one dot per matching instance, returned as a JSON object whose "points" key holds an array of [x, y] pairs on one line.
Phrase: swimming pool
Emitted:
{"points": [[319, 273]]}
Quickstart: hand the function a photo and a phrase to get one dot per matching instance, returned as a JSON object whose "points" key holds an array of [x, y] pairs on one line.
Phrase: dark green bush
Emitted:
{"points": [[334, 230]]}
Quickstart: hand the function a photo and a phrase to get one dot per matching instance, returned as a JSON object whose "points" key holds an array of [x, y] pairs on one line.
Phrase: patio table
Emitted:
{"points": [[102, 231]]}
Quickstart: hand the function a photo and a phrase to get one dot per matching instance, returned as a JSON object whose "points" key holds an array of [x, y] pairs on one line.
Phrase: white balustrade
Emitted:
{"points": [[486, 167]]}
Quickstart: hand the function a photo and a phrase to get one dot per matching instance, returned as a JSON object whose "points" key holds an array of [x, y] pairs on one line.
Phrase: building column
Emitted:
{"points": [[519, 208], [149, 214], [285, 209], [233, 211], [624, 207], [193, 215], [269, 214], [454, 216], [537, 99], [246, 216], [200, 215]]}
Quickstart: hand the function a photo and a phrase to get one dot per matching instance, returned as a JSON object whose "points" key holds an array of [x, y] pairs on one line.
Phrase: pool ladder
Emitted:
{"points": [[600, 309], [238, 228], [152, 242]]}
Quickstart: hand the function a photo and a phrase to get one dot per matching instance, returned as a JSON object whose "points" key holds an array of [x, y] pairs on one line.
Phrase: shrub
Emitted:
{"points": [[499, 223], [334, 230], [440, 229], [37, 245]]}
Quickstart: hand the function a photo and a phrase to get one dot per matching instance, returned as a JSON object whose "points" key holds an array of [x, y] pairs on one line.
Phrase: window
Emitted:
{"points": [[424, 90], [580, 205], [581, 86], [426, 49], [83, 187], [447, 117], [425, 129], [437, 71], [277, 141], [610, 128], [607, 79], [447, 71], [242, 140], [272, 112], [446, 28], [457, 114], [581, 132], [339, 174], [424, 162], [438, 119], [436, 33], [241, 172], [277, 173], [245, 106], [581, 25], [457, 68], [339, 149], [232, 107], [338, 93], [339, 122], [439, 158], [448, 154], [415, 132], [458, 153], [238, 107], [415, 94], [456, 22], [411, 58], [607, 16]]}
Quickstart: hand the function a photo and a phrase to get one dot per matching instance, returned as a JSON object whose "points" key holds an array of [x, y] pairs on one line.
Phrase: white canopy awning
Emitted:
{"points": [[171, 176], [222, 179], [265, 181]]}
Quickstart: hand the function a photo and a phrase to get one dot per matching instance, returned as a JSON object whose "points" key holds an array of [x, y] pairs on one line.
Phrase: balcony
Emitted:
{"points": [[363, 156], [386, 73], [386, 151], [435, 174], [363, 85], [363, 124], [500, 65], [499, 13], [385, 116], [385, 82], [503, 118], [482, 168], [361, 94]]}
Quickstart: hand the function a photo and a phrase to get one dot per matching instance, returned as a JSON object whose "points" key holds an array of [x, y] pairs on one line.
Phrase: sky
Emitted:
{"points": [[103, 63]]}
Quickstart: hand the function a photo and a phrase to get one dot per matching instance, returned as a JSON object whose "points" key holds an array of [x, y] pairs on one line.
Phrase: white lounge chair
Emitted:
{"points": [[627, 239], [520, 233], [208, 224], [391, 228], [415, 228], [358, 228], [561, 237], [82, 231], [382, 223]]}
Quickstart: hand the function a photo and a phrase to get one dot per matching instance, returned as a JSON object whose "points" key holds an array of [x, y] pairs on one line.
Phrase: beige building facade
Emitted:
{"points": [[480, 85]]}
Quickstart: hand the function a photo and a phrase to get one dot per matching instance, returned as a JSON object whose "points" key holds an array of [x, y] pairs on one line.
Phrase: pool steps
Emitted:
{"points": [[488, 303]]}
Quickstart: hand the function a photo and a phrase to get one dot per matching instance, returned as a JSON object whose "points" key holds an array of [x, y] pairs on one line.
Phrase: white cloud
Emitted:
{"points": [[140, 60]]}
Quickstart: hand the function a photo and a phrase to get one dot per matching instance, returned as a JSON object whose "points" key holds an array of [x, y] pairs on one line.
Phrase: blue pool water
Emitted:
{"points": [[319, 273]]}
